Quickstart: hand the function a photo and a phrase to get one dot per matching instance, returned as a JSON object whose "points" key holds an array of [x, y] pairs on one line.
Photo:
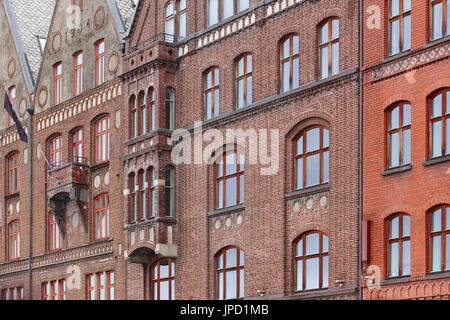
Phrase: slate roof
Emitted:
{"points": [[126, 10]]}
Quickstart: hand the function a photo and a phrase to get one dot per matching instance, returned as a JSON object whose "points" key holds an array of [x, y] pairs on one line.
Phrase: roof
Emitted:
{"points": [[123, 14]]}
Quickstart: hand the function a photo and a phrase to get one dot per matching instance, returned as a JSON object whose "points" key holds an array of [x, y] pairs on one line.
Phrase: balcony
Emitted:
{"points": [[68, 180]]}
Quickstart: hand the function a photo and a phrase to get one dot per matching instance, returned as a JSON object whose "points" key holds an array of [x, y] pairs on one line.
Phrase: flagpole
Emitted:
{"points": [[30, 111]]}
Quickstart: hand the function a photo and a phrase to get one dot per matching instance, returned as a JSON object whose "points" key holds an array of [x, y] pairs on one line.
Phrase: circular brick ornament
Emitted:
{"points": [[113, 63], [11, 67], [42, 96], [97, 182], [22, 107], [56, 43], [99, 18]]}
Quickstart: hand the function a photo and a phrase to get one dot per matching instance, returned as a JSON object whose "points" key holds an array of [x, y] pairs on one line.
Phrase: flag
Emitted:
{"points": [[9, 108]]}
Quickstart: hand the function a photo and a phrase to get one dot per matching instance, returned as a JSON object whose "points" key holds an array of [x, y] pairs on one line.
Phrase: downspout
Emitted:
{"points": [[361, 144], [30, 111]]}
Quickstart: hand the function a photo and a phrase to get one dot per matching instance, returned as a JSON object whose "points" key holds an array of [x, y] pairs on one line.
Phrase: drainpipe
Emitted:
{"points": [[361, 100], [30, 111]]}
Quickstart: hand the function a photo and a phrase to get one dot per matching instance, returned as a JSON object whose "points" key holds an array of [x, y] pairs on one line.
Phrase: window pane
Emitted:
{"points": [[242, 5], [285, 77], [312, 274], [335, 58], [231, 281], [335, 29], [231, 162], [164, 290], [242, 189], [437, 21], [313, 140], [447, 218], [324, 62], [447, 252], [395, 150], [213, 12], [406, 114], [240, 93], [406, 146], [326, 169], [326, 138], [285, 49], [300, 248], [325, 244], [216, 102], [299, 173], [436, 220], [406, 257], [249, 91], [436, 253], [241, 284], [437, 106], [230, 192], [164, 270], [220, 286], [182, 26], [313, 170], [436, 139], [325, 272], [249, 63], [324, 33], [406, 33], [395, 118], [300, 146], [395, 8], [299, 283], [393, 266], [393, 234], [295, 45], [406, 226], [447, 134], [231, 258], [220, 194], [312, 243], [395, 37], [295, 73], [228, 8]]}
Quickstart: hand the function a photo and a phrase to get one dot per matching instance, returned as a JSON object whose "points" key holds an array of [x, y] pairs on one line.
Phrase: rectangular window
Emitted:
{"points": [[289, 53], [99, 62], [440, 18], [57, 83], [102, 138], [55, 236], [399, 26], [78, 74], [90, 287], [102, 217], [12, 98], [77, 146], [14, 240], [182, 19], [13, 177], [56, 151]]}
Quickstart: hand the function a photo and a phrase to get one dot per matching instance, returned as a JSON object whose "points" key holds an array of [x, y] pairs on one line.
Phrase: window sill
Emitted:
{"points": [[432, 43], [307, 191], [396, 56], [437, 275], [429, 162], [228, 210], [397, 280], [402, 168]]}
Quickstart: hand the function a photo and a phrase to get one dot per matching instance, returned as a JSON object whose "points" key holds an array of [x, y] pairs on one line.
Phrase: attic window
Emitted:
{"points": [[42, 42]]}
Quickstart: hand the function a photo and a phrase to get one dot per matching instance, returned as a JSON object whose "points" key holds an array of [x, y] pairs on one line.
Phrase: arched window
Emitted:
{"points": [[440, 18], [151, 101], [399, 134], [170, 22], [181, 19], [133, 198], [56, 155], [439, 123], [399, 26], [439, 238], [312, 157], [289, 54], [230, 273], [142, 214], [329, 47], [13, 174], [77, 145], [169, 192], [102, 139], [142, 128], [399, 245], [133, 117], [230, 179], [244, 89], [152, 192], [170, 109], [163, 280], [212, 92], [101, 217], [311, 261], [13, 241], [54, 234]]}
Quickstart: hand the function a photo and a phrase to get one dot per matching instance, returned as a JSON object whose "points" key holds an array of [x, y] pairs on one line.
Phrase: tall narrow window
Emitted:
{"points": [[163, 280], [311, 261], [133, 117], [54, 234], [439, 241], [399, 245], [45, 288], [62, 289], [12, 98], [13, 176], [169, 192], [101, 286], [90, 286], [230, 179], [289, 53], [142, 128], [212, 92], [213, 12], [170, 112], [181, 19], [439, 125], [99, 62], [102, 217], [244, 88], [151, 99], [142, 212], [230, 274], [110, 285], [13, 241], [152, 193], [312, 157], [399, 134], [133, 203], [329, 48], [77, 146], [56, 151], [102, 140], [440, 18], [57, 83], [170, 22], [399, 26], [78, 73]]}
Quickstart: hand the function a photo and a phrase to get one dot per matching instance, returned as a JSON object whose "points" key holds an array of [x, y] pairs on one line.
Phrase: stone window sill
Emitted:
{"points": [[228, 210], [307, 191], [437, 275], [429, 162], [397, 280], [402, 168]]}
